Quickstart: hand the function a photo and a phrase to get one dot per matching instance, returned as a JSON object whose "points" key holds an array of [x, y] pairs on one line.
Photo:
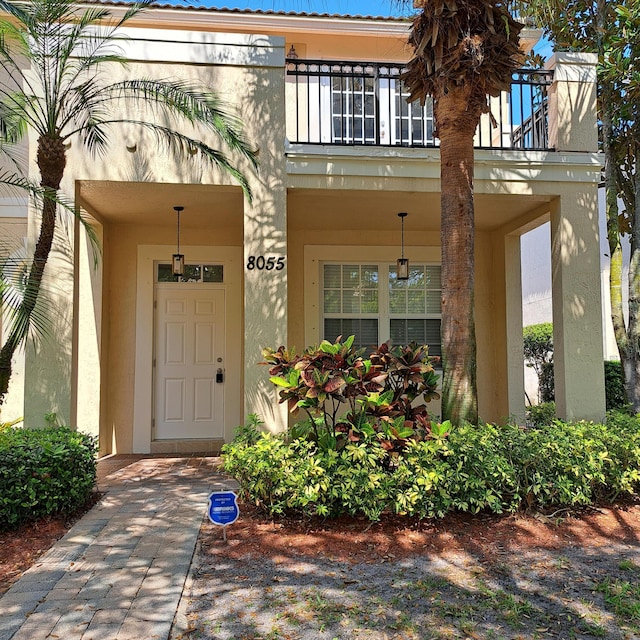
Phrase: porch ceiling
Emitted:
{"points": [[347, 210], [152, 203]]}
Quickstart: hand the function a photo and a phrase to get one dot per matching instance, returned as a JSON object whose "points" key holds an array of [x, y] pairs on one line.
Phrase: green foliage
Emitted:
{"points": [[538, 344], [468, 468], [538, 354], [546, 383], [249, 433], [623, 598], [7, 425], [44, 472], [541, 414], [614, 385], [612, 31], [349, 398]]}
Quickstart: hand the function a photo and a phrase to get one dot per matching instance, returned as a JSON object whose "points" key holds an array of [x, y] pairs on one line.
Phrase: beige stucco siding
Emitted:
{"points": [[120, 264], [311, 203]]}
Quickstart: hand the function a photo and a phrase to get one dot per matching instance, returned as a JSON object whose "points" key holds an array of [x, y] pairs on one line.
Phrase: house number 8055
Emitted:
{"points": [[265, 264]]}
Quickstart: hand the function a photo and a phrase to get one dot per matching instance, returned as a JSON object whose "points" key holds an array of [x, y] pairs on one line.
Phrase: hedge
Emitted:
{"points": [[487, 467], [44, 472]]}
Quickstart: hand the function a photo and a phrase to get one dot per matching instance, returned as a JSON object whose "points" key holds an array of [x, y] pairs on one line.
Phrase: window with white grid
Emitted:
{"points": [[353, 109], [414, 124], [368, 301]]}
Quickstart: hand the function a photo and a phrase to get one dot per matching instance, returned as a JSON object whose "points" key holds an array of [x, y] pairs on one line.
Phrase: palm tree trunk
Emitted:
{"points": [[51, 162], [633, 348], [626, 336], [456, 120]]}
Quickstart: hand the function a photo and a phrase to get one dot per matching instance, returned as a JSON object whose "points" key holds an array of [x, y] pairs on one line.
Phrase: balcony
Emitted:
{"points": [[357, 103]]}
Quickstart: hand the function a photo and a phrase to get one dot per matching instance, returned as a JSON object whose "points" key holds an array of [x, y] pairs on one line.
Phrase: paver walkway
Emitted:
{"points": [[119, 572]]}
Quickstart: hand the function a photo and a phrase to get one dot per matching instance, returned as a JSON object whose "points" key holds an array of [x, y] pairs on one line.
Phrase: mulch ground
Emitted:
{"points": [[484, 535]]}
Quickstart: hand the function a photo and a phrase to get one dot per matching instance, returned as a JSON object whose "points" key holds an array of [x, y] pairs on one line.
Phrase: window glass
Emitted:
{"points": [[212, 273], [192, 273], [353, 304], [332, 279], [365, 331], [423, 331], [165, 273], [331, 301], [350, 289]]}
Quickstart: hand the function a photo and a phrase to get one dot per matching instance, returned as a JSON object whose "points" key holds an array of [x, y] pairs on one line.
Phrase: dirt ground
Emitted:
{"points": [[21, 547], [564, 576]]}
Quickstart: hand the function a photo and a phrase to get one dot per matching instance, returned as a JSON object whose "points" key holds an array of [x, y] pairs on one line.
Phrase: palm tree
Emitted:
{"points": [[53, 59], [464, 51]]}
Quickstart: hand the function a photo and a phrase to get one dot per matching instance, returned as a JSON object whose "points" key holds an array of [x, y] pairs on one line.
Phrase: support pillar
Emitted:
{"points": [[577, 320], [513, 311], [265, 302], [265, 242]]}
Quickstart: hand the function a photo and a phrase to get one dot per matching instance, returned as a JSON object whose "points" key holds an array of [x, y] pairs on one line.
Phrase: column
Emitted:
{"points": [[577, 319], [513, 310]]}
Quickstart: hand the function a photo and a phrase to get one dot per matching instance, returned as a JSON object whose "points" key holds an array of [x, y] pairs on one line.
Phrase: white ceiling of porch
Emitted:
{"points": [[152, 204], [318, 209]]}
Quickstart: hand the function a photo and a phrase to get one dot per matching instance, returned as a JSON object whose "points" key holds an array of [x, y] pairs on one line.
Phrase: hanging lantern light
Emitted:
{"points": [[403, 263], [178, 259]]}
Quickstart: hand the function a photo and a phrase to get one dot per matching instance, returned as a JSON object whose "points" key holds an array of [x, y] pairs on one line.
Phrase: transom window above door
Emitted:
{"points": [[367, 300], [192, 273]]}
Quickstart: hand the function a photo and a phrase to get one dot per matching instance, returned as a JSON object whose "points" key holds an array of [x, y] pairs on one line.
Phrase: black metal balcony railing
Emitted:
{"points": [[356, 103]]}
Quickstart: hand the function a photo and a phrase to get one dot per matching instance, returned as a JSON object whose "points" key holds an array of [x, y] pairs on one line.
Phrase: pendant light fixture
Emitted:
{"points": [[178, 258], [403, 263]]}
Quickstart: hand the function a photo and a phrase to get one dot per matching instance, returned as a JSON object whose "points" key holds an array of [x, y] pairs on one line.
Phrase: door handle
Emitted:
{"points": [[219, 376]]}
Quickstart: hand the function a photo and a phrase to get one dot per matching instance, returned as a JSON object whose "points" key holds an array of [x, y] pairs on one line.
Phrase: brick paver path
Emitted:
{"points": [[119, 572]]}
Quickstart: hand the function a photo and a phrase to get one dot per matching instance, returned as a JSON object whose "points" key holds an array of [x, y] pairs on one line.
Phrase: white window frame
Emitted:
{"points": [[384, 315], [319, 113], [315, 256]]}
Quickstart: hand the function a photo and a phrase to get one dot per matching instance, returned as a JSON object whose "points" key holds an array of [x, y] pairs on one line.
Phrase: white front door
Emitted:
{"points": [[190, 351]]}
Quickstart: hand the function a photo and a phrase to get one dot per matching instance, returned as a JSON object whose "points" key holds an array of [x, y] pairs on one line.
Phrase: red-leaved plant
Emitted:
{"points": [[349, 397]]}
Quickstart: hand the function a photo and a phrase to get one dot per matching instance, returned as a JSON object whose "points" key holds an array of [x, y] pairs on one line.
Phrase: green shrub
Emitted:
{"points": [[546, 383], [43, 472], [538, 354], [349, 398], [614, 385], [623, 474], [541, 414], [562, 464], [472, 469]]}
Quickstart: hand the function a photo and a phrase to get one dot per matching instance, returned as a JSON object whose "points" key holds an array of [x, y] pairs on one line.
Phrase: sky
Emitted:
{"points": [[351, 7]]}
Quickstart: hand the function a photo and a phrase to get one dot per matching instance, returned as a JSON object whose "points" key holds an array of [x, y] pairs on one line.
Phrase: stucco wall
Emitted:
{"points": [[13, 230], [303, 197]]}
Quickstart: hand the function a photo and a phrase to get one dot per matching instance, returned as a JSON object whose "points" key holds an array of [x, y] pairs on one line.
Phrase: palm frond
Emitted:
{"points": [[14, 47], [184, 146], [197, 107], [14, 267]]}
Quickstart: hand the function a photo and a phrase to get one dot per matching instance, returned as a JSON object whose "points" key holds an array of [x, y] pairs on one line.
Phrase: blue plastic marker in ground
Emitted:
{"points": [[223, 509]]}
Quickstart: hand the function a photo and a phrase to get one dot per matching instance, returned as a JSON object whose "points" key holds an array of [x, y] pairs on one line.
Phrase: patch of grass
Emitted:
{"points": [[593, 629], [628, 565], [623, 598], [512, 609], [404, 623], [274, 634], [430, 585]]}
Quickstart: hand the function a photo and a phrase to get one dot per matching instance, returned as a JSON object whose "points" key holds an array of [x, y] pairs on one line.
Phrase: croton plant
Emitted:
{"points": [[349, 397]]}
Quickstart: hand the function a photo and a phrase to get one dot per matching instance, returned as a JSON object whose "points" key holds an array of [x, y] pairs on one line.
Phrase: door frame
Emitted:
{"points": [[148, 255]]}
